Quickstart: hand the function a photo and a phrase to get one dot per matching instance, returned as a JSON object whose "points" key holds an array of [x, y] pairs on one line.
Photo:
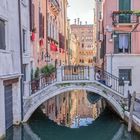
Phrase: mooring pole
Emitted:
{"points": [[131, 111]]}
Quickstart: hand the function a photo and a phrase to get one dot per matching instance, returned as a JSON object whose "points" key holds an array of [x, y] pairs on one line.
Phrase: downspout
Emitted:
{"points": [[47, 53], [21, 59], [111, 63]]}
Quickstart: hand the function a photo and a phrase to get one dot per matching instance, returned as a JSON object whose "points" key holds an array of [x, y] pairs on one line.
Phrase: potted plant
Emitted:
{"points": [[35, 81], [33, 34]]}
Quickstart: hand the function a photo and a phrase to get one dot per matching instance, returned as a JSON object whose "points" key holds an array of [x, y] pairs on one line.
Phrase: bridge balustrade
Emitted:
{"points": [[78, 73], [72, 73], [110, 80]]}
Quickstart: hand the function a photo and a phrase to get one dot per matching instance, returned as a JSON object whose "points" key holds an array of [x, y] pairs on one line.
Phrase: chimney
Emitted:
{"points": [[86, 22], [74, 21], [78, 20]]}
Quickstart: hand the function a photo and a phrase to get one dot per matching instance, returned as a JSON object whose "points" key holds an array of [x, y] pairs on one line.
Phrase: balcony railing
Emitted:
{"points": [[42, 82], [55, 4], [125, 17]]}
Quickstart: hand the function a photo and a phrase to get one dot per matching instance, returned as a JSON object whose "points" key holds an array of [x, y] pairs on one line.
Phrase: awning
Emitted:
{"points": [[53, 47]]}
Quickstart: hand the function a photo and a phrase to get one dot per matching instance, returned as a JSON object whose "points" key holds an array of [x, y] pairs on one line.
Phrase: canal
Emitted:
{"points": [[76, 115]]}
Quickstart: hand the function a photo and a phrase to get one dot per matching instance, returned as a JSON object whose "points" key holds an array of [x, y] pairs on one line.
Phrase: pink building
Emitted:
{"points": [[121, 43], [38, 28]]}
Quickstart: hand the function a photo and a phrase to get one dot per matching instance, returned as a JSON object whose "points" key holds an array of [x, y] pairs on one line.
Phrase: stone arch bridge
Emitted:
{"points": [[68, 78]]}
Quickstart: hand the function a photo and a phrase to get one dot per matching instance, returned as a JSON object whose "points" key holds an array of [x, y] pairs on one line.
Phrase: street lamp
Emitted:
{"points": [[47, 57]]}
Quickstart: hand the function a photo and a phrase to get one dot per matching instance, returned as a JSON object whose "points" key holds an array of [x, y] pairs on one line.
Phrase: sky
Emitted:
{"points": [[82, 9]]}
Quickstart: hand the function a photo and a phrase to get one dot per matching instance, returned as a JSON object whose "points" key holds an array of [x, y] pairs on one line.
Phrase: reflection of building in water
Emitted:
{"points": [[57, 108], [80, 106], [65, 107]]}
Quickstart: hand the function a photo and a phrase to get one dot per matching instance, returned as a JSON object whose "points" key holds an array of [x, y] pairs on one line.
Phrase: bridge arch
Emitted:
{"points": [[37, 99]]}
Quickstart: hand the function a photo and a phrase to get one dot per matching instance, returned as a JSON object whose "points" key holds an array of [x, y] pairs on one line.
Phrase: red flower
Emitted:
{"points": [[41, 43], [33, 36], [53, 47]]}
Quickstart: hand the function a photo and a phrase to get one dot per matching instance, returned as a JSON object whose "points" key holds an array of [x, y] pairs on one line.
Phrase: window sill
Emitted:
{"points": [[5, 51]]}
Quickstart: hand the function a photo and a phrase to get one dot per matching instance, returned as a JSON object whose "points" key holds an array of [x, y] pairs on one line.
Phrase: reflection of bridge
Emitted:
{"points": [[69, 78]]}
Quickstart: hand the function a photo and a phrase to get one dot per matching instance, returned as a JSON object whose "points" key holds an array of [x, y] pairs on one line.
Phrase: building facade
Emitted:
{"points": [[121, 40], [38, 30], [98, 31], [84, 34], [57, 31], [14, 59]]}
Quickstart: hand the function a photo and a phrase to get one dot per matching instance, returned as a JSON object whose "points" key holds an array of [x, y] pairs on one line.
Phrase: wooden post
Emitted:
{"points": [[129, 100], [131, 111]]}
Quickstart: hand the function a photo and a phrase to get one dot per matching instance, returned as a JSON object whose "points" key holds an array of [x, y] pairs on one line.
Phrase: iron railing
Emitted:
{"points": [[42, 82], [55, 3], [125, 18], [75, 73], [110, 80]]}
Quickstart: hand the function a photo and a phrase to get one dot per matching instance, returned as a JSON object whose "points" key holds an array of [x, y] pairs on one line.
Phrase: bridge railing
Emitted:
{"points": [[110, 80], [73, 73], [42, 82]]}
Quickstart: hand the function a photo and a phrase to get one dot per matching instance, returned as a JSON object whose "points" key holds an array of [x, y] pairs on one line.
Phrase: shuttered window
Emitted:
{"points": [[32, 15], [41, 25], [2, 35], [124, 5], [125, 75], [24, 40], [122, 43]]}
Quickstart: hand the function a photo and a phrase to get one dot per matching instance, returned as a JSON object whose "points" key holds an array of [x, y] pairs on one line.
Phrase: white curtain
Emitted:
{"points": [[123, 41]]}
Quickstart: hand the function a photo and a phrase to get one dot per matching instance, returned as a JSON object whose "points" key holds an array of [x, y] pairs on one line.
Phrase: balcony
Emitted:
{"points": [[54, 6], [125, 18]]}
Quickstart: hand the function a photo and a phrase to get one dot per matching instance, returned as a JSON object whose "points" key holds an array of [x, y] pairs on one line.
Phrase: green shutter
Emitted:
{"points": [[2, 35], [124, 5], [129, 38], [116, 43]]}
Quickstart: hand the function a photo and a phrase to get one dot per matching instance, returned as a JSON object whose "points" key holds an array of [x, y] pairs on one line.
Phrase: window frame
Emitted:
{"points": [[24, 40], [116, 44], [4, 41], [129, 72]]}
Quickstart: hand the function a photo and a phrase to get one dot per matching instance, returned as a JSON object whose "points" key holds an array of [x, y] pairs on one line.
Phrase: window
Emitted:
{"points": [[32, 15], [2, 35], [24, 72], [24, 40], [125, 74], [41, 25], [124, 5], [122, 43], [82, 45], [42, 56]]}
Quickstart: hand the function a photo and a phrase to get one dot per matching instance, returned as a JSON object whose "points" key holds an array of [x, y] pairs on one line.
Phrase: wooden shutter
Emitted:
{"points": [[129, 43], [124, 5], [32, 15], [43, 26], [116, 43], [2, 35], [40, 23]]}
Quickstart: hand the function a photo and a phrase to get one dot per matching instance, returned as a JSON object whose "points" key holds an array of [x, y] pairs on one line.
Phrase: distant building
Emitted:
{"points": [[84, 34]]}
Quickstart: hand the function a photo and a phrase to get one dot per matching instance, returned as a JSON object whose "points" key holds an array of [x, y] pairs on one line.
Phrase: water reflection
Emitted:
{"points": [[106, 127], [73, 109]]}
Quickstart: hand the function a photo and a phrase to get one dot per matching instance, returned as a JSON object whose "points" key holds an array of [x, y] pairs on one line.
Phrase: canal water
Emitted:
{"points": [[76, 115]]}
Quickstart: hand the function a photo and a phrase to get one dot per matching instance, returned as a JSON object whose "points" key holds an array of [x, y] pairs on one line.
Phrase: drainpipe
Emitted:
{"points": [[21, 59], [111, 63], [47, 53]]}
